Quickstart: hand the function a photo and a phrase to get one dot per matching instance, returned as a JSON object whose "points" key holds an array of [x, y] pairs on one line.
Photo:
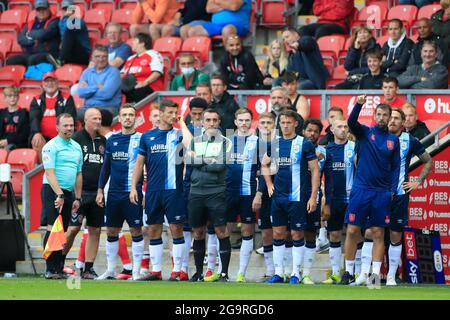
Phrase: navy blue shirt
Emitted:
{"points": [[378, 156], [339, 171], [163, 151], [293, 180], [409, 146], [120, 159]]}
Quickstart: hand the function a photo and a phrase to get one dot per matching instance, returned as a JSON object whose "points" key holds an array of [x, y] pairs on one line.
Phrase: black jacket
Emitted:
{"points": [[64, 104], [397, 59], [443, 54], [226, 107], [194, 10], [441, 27], [15, 127], [93, 154], [327, 138], [241, 71], [369, 81], [420, 131], [40, 37], [356, 60]]}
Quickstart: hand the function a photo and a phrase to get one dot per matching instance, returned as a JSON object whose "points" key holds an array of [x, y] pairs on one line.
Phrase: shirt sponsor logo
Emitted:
{"points": [[120, 155]]}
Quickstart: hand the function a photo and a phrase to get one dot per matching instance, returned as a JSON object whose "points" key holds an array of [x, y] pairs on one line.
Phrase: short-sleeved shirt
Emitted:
{"points": [[144, 65], [293, 180], [122, 51], [163, 151], [240, 17], [66, 158]]}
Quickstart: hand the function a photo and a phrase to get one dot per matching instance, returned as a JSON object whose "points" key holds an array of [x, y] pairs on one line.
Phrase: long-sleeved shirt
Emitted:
{"points": [[436, 77], [109, 95], [15, 127], [378, 156]]}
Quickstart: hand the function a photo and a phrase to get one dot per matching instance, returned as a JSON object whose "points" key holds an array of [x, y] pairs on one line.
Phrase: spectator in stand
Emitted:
{"points": [[334, 17], [143, 72], [239, 66], [75, 45], [203, 90], [154, 17], [14, 122], [413, 125], [228, 17], [223, 102], [118, 51], [39, 38], [276, 62], [397, 50], [417, 3], [279, 100], [44, 109], [362, 41], [390, 91], [440, 21], [428, 75], [333, 113], [99, 86], [193, 10], [426, 34], [373, 79], [305, 60], [190, 77], [298, 101]]}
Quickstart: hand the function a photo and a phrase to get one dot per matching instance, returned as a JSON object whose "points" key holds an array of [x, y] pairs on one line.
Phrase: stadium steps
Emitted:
{"points": [[255, 270]]}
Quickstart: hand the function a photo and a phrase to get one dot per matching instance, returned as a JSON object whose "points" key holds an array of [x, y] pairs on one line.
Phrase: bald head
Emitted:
{"points": [[92, 120]]}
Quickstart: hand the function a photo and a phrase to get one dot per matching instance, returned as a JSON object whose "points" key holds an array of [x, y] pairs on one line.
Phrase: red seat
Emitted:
{"points": [[13, 19], [11, 75], [5, 47], [15, 48], [275, 13], [382, 40], [20, 5], [127, 4], [97, 19], [168, 45], [428, 10], [331, 46], [337, 76], [103, 4], [26, 96], [199, 46], [21, 161], [69, 74], [123, 16], [79, 102], [405, 12], [166, 74], [3, 155]]}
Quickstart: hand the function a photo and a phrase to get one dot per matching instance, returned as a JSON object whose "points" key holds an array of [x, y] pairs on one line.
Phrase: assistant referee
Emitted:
{"points": [[62, 159]]}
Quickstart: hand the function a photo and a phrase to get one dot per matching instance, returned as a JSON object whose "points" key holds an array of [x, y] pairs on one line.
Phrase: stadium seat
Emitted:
{"points": [[123, 16], [276, 13], [5, 47], [15, 48], [199, 46], [26, 96], [11, 75], [26, 6], [103, 4], [127, 4], [169, 45], [372, 15], [12, 20], [97, 18], [166, 74], [405, 12], [69, 74], [331, 46], [3, 155], [428, 10], [2, 99], [382, 40], [21, 161], [337, 76], [79, 102]]}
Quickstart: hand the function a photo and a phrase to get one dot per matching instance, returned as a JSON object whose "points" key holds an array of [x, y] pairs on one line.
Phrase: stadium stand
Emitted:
{"points": [[11, 75], [3, 155], [21, 161]]}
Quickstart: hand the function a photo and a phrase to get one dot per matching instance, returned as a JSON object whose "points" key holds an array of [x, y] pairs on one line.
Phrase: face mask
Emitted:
{"points": [[187, 71]]}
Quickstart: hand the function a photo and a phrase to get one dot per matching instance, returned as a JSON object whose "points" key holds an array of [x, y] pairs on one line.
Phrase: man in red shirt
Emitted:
{"points": [[390, 91], [45, 108]]}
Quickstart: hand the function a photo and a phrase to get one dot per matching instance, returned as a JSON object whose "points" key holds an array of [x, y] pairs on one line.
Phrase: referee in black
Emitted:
{"points": [[62, 159], [207, 155]]}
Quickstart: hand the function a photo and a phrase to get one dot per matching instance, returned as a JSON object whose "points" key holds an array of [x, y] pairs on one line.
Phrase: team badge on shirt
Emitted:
{"points": [[349, 153], [296, 148], [372, 137], [351, 217], [403, 146], [390, 144]]}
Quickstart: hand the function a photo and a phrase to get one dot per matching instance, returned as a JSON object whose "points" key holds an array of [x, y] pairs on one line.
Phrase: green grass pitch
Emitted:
{"points": [[39, 288]]}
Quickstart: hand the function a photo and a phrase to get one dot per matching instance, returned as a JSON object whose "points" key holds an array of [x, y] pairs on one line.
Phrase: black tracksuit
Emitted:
{"points": [[241, 71]]}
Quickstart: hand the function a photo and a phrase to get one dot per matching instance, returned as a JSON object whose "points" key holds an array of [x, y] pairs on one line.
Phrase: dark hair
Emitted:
{"points": [[289, 113], [167, 104], [374, 53], [101, 48], [243, 111], [289, 77], [198, 103], [402, 114], [313, 121], [384, 106], [64, 115], [338, 109], [398, 21], [107, 117], [145, 39], [219, 76], [390, 79], [210, 110]]}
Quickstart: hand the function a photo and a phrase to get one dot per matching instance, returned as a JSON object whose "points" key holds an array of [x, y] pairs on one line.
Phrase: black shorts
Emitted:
{"points": [[313, 219], [241, 206], [94, 214], [264, 214], [204, 208], [49, 212], [337, 215], [399, 212]]}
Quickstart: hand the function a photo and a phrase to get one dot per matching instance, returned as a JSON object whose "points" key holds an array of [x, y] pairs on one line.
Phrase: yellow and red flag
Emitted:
{"points": [[57, 238]]}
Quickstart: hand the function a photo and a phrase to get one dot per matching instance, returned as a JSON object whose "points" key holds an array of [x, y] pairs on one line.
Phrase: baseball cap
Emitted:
{"points": [[66, 3], [41, 4], [50, 74]]}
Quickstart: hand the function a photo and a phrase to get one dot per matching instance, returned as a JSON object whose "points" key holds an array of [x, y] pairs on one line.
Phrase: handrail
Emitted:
{"points": [[435, 134]]}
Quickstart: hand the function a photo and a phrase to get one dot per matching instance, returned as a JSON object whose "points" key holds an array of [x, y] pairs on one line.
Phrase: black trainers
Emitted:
{"points": [[223, 277], [197, 278], [50, 275], [347, 279], [89, 274]]}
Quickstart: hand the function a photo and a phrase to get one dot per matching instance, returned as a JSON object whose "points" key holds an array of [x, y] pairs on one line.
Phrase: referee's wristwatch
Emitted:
{"points": [[78, 199], [60, 196]]}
